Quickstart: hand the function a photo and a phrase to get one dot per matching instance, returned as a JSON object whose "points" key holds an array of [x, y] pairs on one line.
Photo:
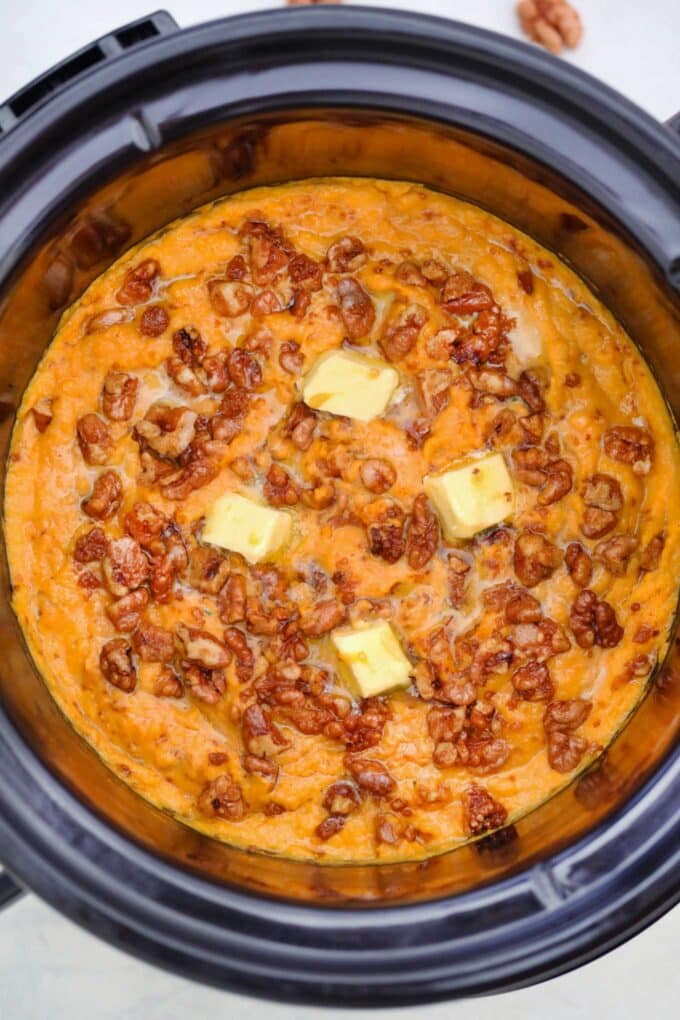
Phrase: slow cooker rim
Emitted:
{"points": [[321, 15]]}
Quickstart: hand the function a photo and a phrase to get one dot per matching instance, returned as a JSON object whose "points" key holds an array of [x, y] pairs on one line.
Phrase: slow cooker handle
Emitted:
{"points": [[106, 48], [9, 890]]}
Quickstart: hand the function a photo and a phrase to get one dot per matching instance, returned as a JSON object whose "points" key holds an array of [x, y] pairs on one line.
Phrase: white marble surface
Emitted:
{"points": [[48, 967]]}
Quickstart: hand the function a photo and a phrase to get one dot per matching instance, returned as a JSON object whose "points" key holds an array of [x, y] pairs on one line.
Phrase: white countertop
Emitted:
{"points": [[50, 968]]}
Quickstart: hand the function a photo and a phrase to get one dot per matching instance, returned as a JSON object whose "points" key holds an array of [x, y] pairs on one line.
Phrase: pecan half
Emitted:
{"points": [[630, 445], [94, 439], [291, 358], [593, 622], [167, 430], [370, 775], [423, 534], [222, 798], [559, 480], [152, 643], [356, 308], [322, 618], [346, 255], [138, 283], [244, 369], [206, 685], [126, 612], [105, 498], [386, 533], [377, 475], [115, 662], [579, 564], [342, 798], [203, 648], [208, 570], [260, 735], [154, 321], [119, 395], [532, 682], [125, 566], [604, 492], [236, 642], [402, 330], [90, 547], [463, 295], [615, 553], [481, 811], [535, 558], [279, 488], [230, 298], [434, 388], [232, 600], [330, 827]]}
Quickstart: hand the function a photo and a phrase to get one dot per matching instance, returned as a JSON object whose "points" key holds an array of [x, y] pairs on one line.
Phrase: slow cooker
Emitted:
{"points": [[142, 126]]}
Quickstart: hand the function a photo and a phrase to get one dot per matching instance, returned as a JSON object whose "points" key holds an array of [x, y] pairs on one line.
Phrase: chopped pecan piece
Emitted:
{"points": [[551, 23], [346, 255], [203, 648], [146, 525], [597, 523], [105, 498], [208, 570], [593, 622], [244, 369], [94, 439], [230, 298], [566, 715], [267, 302], [279, 488], [260, 735], [154, 321], [440, 345], [529, 387], [615, 553], [409, 273], [356, 308], [386, 533], [423, 534], [268, 254], [90, 547], [402, 330], [167, 430], [377, 475], [482, 813], [341, 798], [579, 564], [539, 641], [434, 388], [522, 608], [138, 283], [109, 317], [565, 750], [483, 340], [236, 642], [42, 413], [493, 381], [263, 767], [329, 827], [189, 346], [119, 394], [370, 775], [206, 685], [305, 272], [559, 480], [630, 445], [385, 830], [535, 558], [126, 612], [291, 358], [152, 643], [115, 662], [168, 684], [125, 566], [651, 554], [322, 618], [223, 798], [457, 570], [186, 377], [604, 492], [531, 465], [532, 682], [463, 295], [232, 600]]}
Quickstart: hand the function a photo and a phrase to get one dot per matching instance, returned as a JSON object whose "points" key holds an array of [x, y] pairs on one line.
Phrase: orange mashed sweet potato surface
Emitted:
{"points": [[210, 685]]}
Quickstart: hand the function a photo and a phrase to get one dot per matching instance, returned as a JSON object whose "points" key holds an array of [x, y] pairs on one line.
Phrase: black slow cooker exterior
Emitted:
{"points": [[147, 123]]}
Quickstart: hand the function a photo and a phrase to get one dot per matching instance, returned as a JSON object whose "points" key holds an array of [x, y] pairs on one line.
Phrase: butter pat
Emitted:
{"points": [[471, 497], [374, 656], [350, 384], [243, 526]]}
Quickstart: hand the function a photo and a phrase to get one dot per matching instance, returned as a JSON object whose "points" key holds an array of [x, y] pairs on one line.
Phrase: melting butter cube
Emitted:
{"points": [[343, 382], [243, 526], [471, 497], [374, 656]]}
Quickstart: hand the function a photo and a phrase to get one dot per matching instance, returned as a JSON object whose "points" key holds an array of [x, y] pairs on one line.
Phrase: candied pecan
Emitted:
{"points": [[244, 370], [559, 480], [602, 491], [125, 566], [189, 345], [377, 474], [540, 640], [89, 580], [261, 766], [356, 308], [529, 387], [203, 648], [197, 471], [280, 489], [305, 272], [483, 340], [532, 682], [230, 298], [267, 302], [463, 295], [594, 622], [126, 612], [291, 358], [168, 684], [457, 570], [615, 553], [532, 428], [579, 564], [596, 522], [402, 330], [386, 534], [153, 468], [234, 403], [346, 255], [522, 608], [90, 547], [501, 427], [222, 798], [481, 812], [268, 256], [105, 498], [434, 386], [341, 798], [385, 830], [551, 23], [236, 268], [535, 558], [208, 570], [152, 643], [445, 724], [363, 729], [322, 618], [232, 600], [236, 642], [42, 413], [492, 655], [409, 273], [493, 381], [115, 662], [94, 439], [260, 735], [434, 271], [106, 319], [417, 432], [205, 684], [440, 345], [651, 554], [531, 465], [215, 371], [423, 534], [329, 827], [146, 525], [565, 750], [119, 394], [185, 376], [138, 283], [566, 715], [154, 321], [167, 430], [370, 775], [630, 445], [301, 426]]}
